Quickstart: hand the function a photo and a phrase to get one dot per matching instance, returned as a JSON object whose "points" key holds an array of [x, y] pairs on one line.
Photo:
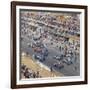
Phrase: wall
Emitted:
{"points": [[5, 44]]}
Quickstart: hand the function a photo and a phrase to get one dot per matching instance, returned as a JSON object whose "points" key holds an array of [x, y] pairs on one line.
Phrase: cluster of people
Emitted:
{"points": [[41, 52], [29, 73], [70, 24]]}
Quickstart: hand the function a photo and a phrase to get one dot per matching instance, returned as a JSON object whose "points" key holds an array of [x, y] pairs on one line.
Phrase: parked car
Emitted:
{"points": [[67, 61], [58, 65], [40, 57], [57, 58]]}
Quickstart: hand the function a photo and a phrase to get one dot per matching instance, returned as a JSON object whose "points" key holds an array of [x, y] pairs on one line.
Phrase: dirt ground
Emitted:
{"points": [[27, 60]]}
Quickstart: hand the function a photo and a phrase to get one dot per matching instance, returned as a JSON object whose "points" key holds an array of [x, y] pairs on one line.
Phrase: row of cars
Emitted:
{"points": [[40, 51], [42, 54], [61, 60], [67, 60]]}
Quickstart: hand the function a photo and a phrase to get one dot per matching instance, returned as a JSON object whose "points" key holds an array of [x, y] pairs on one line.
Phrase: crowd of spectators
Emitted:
{"points": [[51, 30], [28, 72]]}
